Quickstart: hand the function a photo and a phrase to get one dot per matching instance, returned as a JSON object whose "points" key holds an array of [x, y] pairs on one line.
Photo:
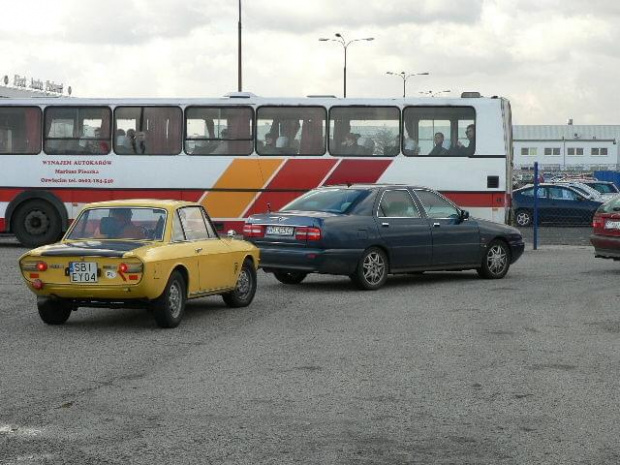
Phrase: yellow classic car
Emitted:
{"points": [[154, 254]]}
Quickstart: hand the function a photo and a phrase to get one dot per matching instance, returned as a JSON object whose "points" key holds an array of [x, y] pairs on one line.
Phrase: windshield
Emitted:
{"points": [[604, 188], [326, 200], [119, 223]]}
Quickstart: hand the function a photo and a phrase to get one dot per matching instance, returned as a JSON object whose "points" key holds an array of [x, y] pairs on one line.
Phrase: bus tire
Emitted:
{"points": [[36, 222]]}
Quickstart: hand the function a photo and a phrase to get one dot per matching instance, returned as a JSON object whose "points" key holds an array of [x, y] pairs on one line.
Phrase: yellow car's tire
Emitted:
{"points": [[243, 294], [168, 308], [53, 311]]}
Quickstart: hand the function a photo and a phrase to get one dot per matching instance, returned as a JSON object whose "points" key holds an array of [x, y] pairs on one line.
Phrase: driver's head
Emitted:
{"points": [[123, 214]]}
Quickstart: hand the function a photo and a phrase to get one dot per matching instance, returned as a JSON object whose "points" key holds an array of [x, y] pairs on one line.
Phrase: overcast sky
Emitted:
{"points": [[554, 59]]}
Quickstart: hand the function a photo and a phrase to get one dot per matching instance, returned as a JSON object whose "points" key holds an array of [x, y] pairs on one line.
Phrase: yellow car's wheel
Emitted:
{"points": [[168, 308], [53, 311], [244, 292]]}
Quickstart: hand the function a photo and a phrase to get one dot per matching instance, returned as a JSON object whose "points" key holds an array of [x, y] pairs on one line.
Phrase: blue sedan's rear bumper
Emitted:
{"points": [[329, 261]]}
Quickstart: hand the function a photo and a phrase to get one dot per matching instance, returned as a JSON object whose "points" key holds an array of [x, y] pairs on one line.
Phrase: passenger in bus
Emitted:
{"points": [[100, 145], [222, 144], [282, 146], [269, 147], [365, 146], [140, 143], [410, 147], [349, 146], [121, 141], [460, 149], [438, 149]]}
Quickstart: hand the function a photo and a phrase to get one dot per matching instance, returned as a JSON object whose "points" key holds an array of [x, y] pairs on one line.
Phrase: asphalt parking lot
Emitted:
{"points": [[433, 368]]}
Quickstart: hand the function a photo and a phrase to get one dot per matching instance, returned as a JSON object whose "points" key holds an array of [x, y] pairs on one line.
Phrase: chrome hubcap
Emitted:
{"points": [[373, 268], [497, 259], [244, 284], [175, 299]]}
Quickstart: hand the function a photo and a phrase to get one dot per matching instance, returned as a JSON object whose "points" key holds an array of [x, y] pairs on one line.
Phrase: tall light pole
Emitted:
{"points": [[404, 77], [341, 40], [239, 87]]}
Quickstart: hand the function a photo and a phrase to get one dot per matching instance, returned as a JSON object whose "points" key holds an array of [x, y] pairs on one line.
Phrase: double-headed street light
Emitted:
{"points": [[345, 44], [404, 77]]}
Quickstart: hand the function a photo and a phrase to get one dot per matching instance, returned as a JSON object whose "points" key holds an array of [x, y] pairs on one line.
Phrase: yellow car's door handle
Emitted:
{"points": [[198, 250]]}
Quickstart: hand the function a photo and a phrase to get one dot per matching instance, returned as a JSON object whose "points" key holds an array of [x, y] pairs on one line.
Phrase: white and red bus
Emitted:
{"points": [[243, 154]]}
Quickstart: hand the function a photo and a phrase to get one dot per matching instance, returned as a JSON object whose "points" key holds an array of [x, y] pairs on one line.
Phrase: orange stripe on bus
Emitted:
{"points": [[241, 174]]}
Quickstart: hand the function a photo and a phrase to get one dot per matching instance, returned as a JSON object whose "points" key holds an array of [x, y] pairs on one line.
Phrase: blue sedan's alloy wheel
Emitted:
{"points": [[496, 261], [372, 269]]}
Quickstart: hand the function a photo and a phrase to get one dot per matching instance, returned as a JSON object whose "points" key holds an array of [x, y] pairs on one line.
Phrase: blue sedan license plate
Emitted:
{"points": [[279, 230], [83, 272]]}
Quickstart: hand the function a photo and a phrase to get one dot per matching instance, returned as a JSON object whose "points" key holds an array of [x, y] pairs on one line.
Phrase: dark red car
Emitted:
{"points": [[606, 234]]}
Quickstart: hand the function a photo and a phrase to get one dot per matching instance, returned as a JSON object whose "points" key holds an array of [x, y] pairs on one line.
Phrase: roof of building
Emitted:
{"points": [[18, 92], [566, 131]]}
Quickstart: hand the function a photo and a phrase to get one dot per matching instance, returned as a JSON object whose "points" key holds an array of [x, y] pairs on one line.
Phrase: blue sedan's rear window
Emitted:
{"points": [[328, 200]]}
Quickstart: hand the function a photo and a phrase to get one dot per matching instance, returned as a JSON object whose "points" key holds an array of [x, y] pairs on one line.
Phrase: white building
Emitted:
{"points": [[566, 148]]}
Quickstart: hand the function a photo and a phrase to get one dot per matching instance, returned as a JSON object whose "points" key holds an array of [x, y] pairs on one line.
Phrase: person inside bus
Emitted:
{"points": [[460, 149], [130, 141], [438, 149], [100, 145], [119, 226], [365, 146], [269, 147], [222, 144], [120, 141], [349, 146], [410, 147], [139, 145]]}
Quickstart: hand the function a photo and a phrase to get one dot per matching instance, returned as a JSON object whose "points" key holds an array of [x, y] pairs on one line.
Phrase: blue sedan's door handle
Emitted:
{"points": [[385, 225], [436, 225]]}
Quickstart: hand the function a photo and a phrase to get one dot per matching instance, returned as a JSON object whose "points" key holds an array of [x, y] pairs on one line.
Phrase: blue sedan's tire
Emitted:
{"points": [[496, 261], [524, 218], [290, 277], [372, 270], [169, 307], [244, 292]]}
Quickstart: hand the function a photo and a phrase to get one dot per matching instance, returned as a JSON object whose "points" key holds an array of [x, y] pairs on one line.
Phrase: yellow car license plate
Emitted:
{"points": [[83, 272]]}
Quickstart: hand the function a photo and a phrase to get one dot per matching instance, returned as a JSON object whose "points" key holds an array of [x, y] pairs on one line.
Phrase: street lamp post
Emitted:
{"points": [[239, 87], [345, 44], [404, 77]]}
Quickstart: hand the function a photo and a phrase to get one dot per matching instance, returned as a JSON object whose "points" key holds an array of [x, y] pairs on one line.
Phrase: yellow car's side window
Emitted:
{"points": [[177, 230]]}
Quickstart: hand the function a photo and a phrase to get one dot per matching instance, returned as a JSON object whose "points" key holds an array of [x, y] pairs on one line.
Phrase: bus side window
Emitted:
{"points": [[364, 131], [77, 130], [439, 131], [291, 130], [20, 130], [157, 130]]}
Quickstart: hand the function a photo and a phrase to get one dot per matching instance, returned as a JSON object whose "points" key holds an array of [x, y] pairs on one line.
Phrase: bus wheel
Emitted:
{"points": [[36, 223]]}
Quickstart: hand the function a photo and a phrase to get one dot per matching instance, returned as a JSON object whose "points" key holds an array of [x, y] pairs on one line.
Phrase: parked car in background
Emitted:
{"points": [[154, 254], [588, 192], [559, 204], [606, 230], [606, 188], [368, 231]]}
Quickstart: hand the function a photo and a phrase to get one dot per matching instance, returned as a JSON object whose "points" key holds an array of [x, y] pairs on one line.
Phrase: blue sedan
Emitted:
{"points": [[557, 204], [369, 231]]}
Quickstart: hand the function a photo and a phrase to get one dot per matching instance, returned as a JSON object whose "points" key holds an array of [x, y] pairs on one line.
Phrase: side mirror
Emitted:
{"points": [[464, 215], [231, 234]]}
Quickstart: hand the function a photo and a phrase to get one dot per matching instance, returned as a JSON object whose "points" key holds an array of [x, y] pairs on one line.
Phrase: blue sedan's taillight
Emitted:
{"points": [[308, 234]]}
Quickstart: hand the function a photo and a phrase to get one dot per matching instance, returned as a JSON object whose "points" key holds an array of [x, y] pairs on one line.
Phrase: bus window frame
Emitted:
{"points": [[40, 131], [453, 125], [399, 135], [252, 138], [46, 138], [142, 107], [286, 154]]}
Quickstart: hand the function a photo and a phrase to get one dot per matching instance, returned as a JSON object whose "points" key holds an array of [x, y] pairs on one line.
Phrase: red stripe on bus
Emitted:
{"points": [[78, 195], [477, 199], [1, 224], [295, 175], [358, 171]]}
